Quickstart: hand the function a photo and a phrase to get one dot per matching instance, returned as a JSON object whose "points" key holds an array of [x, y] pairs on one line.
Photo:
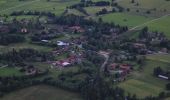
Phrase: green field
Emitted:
{"points": [[145, 5], [55, 6], [140, 88], [41, 92], [143, 83], [125, 19], [131, 20], [141, 19], [7, 71], [160, 57]]}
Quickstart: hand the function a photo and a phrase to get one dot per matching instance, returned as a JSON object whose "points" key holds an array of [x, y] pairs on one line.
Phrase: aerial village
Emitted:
{"points": [[68, 40], [82, 46]]}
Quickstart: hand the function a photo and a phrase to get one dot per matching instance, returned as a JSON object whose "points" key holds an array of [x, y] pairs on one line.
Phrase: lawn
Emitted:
{"points": [[140, 88], [55, 6], [160, 57], [7, 71], [145, 5], [42, 92], [125, 19]]}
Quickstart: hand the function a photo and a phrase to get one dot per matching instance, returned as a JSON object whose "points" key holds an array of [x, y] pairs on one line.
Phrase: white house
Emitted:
{"points": [[60, 43], [164, 77]]}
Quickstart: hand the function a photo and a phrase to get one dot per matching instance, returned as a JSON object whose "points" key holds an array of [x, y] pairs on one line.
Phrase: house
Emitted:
{"points": [[164, 50], [163, 77], [30, 71], [66, 62], [61, 43], [125, 68], [113, 66], [4, 29], [46, 41], [24, 30], [77, 28], [139, 45], [122, 69], [61, 63]]}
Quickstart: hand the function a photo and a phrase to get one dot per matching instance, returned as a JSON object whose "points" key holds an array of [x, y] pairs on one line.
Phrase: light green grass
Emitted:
{"points": [[145, 5], [141, 89], [55, 6], [160, 57], [125, 19], [9, 72], [42, 92]]}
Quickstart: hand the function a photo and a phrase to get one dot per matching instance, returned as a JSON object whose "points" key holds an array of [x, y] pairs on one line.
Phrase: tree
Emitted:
{"points": [[157, 71], [168, 86], [132, 1], [148, 12], [144, 33], [128, 9]]}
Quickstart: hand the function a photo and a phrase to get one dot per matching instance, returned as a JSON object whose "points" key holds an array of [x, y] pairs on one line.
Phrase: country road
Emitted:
{"points": [[106, 56]]}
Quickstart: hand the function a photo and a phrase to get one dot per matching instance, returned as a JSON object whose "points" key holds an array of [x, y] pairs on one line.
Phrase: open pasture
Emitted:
{"points": [[41, 92], [7, 71], [125, 19], [55, 6]]}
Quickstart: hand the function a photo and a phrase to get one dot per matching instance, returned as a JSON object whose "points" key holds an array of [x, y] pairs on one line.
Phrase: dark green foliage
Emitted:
{"points": [[6, 39], [16, 57]]}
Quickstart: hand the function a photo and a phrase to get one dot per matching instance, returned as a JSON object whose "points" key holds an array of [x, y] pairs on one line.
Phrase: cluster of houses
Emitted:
{"points": [[76, 29], [7, 29], [74, 59], [148, 44], [74, 50], [142, 48], [121, 69], [31, 71]]}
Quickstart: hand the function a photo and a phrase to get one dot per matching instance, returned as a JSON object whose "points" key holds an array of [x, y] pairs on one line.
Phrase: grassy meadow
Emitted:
{"points": [[7, 71], [42, 92], [55, 6], [125, 19]]}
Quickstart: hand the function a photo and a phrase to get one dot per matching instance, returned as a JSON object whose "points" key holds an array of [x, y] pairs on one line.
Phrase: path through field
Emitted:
{"points": [[19, 5], [156, 19]]}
